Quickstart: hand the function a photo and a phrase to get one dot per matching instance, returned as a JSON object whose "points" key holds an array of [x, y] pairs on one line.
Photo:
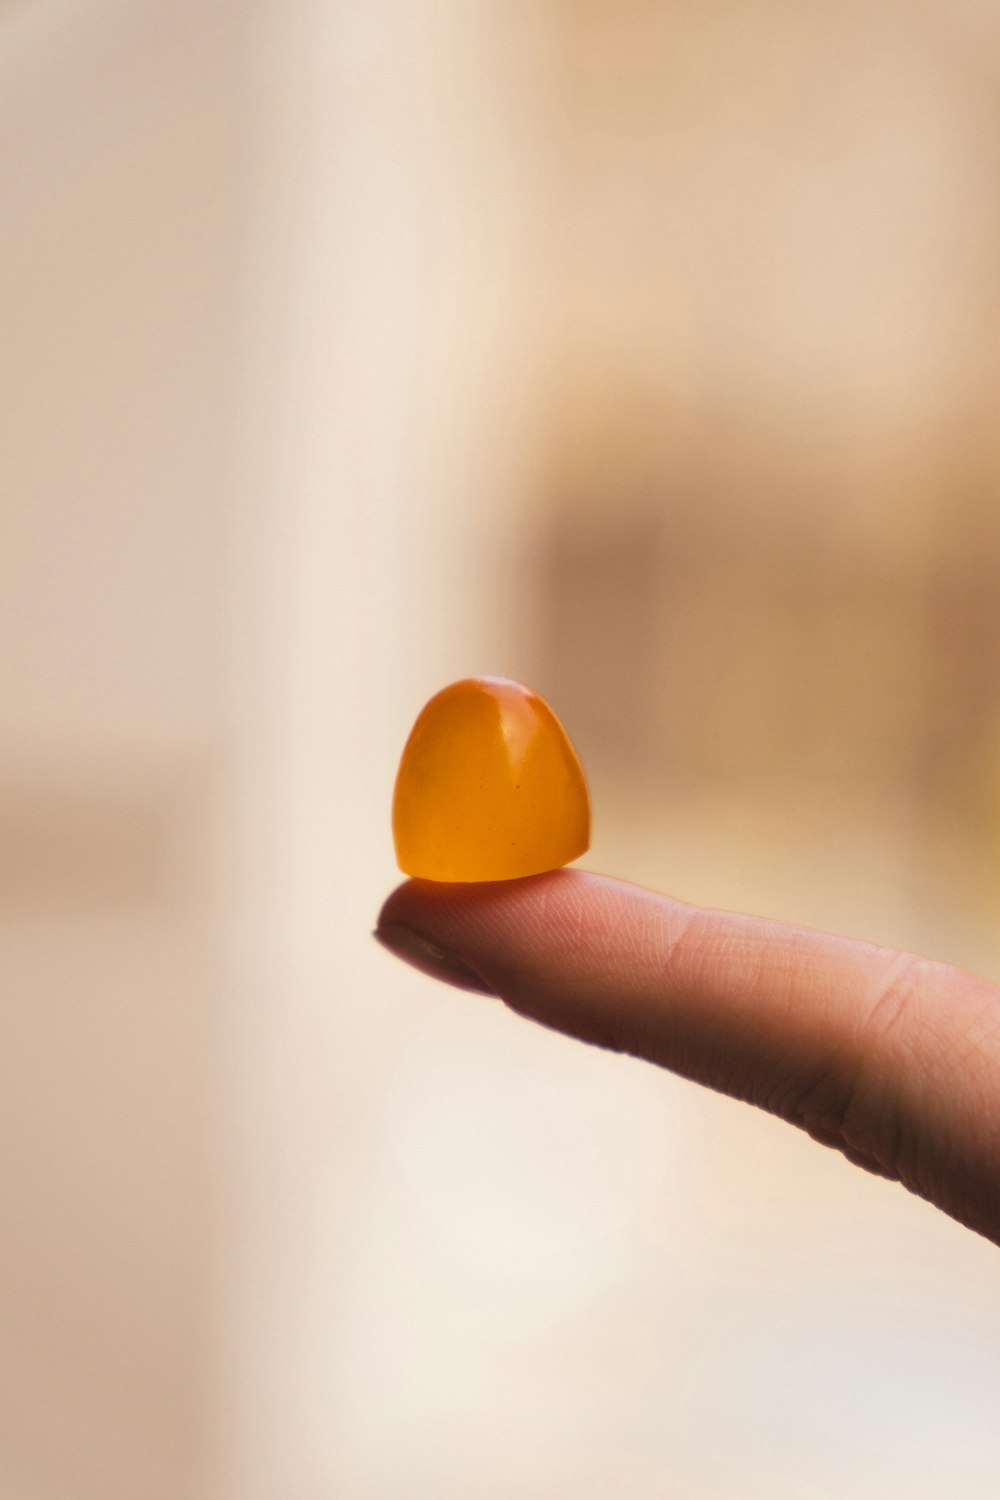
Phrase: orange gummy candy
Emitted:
{"points": [[489, 787]]}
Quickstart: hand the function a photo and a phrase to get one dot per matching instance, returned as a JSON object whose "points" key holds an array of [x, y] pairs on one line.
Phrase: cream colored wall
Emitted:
{"points": [[388, 314]]}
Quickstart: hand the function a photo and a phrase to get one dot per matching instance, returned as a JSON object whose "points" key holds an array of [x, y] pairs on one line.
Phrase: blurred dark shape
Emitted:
{"points": [[600, 579], [962, 604], [69, 848], [737, 629]]}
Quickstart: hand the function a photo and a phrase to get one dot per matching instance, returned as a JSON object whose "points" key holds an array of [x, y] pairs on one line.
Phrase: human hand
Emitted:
{"points": [[892, 1059]]}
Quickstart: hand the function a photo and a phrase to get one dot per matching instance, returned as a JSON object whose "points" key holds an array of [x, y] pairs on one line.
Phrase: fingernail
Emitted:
{"points": [[418, 951]]}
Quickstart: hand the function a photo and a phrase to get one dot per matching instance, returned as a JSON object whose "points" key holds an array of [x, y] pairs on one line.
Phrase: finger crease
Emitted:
{"points": [[869, 1120]]}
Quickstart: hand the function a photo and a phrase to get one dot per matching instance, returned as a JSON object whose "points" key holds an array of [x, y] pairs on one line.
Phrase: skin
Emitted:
{"points": [[892, 1059]]}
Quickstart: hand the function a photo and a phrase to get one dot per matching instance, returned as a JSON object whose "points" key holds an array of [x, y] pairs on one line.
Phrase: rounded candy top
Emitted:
{"points": [[489, 787]]}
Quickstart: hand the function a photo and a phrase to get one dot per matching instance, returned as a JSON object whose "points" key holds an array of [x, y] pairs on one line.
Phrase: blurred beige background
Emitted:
{"points": [[646, 352]]}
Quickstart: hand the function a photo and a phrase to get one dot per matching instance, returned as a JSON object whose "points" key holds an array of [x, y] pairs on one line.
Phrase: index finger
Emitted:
{"points": [[891, 1058]]}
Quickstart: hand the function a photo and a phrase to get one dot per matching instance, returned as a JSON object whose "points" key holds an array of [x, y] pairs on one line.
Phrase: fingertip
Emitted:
{"points": [[419, 952]]}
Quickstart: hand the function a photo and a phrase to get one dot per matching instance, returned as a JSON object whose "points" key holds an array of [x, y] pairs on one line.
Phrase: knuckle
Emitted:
{"points": [[853, 1106]]}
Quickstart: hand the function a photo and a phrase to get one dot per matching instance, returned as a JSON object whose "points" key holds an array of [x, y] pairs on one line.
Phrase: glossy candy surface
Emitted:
{"points": [[489, 787]]}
